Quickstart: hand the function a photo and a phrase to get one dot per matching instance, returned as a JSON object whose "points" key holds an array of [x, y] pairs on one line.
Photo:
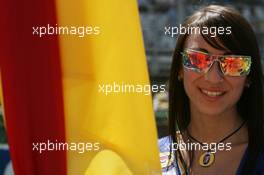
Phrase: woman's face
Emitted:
{"points": [[211, 93]]}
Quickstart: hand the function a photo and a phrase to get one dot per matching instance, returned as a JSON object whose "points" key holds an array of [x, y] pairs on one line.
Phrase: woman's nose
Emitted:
{"points": [[214, 74]]}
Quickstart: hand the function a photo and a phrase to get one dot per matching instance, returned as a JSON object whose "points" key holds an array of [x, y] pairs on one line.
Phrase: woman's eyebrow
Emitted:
{"points": [[200, 49], [226, 52]]}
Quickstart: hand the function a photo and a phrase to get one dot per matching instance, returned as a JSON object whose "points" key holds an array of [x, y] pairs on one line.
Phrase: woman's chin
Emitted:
{"points": [[211, 110]]}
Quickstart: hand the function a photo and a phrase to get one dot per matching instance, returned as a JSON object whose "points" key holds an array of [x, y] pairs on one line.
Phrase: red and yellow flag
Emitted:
{"points": [[54, 84]]}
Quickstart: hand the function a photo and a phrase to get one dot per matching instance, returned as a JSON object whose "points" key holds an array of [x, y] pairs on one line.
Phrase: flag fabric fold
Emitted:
{"points": [[66, 88]]}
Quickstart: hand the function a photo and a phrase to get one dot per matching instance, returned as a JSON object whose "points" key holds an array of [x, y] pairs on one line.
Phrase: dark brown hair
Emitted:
{"points": [[242, 41]]}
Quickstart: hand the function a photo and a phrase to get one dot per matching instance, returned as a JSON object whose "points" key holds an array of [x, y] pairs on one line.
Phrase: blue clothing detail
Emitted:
{"points": [[173, 168], [4, 158], [259, 169], [167, 169]]}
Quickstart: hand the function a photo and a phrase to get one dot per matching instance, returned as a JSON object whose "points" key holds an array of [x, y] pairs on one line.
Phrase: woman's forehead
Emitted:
{"points": [[197, 42]]}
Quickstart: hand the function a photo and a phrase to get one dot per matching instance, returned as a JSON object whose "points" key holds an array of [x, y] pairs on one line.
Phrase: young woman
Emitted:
{"points": [[215, 98]]}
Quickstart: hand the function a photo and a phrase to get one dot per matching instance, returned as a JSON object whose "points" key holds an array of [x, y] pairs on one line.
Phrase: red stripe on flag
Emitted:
{"points": [[32, 86]]}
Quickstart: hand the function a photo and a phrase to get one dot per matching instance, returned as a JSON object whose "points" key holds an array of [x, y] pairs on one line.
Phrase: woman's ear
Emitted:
{"points": [[180, 75]]}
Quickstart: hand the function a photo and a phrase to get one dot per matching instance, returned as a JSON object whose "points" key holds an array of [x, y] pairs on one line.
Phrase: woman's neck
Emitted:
{"points": [[213, 128]]}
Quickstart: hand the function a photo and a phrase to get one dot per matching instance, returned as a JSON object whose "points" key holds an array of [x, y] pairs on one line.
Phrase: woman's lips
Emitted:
{"points": [[212, 95]]}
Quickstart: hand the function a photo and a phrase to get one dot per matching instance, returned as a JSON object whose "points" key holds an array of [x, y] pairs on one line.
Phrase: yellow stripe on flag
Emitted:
{"points": [[123, 123], [102, 160]]}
